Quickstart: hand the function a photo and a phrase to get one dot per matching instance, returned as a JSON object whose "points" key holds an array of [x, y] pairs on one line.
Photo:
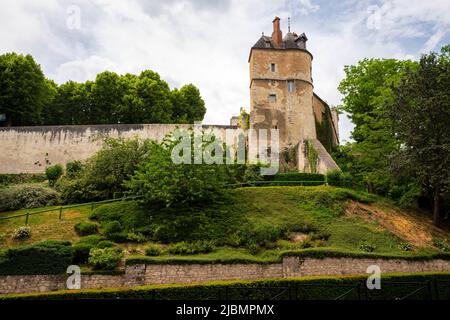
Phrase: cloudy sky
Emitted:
{"points": [[207, 42]]}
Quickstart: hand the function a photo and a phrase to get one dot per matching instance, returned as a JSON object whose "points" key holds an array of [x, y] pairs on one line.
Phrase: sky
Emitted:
{"points": [[207, 42]]}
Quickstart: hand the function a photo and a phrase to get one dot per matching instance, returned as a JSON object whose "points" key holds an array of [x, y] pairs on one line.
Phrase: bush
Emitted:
{"points": [[441, 244], [105, 259], [92, 240], [153, 250], [22, 233], [27, 196], [105, 244], [163, 183], [81, 253], [85, 228], [47, 257], [74, 169], [112, 227], [191, 248], [53, 173], [367, 247], [136, 237]]}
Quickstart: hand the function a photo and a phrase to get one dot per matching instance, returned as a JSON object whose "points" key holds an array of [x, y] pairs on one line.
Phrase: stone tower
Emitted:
{"points": [[281, 93]]}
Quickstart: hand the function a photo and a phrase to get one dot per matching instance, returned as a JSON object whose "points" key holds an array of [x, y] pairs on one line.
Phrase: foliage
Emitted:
{"points": [[367, 247], [153, 250], [105, 259], [368, 94], [293, 178], [441, 244], [113, 98], [420, 112], [24, 90], [338, 178], [313, 156], [47, 257], [27, 196], [161, 182], [85, 228], [53, 173], [21, 178], [104, 173], [191, 248], [406, 246], [136, 237], [244, 119], [74, 169], [22, 233]]}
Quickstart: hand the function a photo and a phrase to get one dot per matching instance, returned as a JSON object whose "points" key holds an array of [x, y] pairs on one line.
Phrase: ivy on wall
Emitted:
{"points": [[313, 156], [324, 130]]}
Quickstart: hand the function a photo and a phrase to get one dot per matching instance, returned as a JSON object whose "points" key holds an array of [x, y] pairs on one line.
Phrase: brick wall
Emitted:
{"points": [[291, 267]]}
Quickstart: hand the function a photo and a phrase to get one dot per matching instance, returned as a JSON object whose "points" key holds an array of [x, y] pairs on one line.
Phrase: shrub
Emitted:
{"points": [[74, 169], [441, 244], [85, 228], [105, 244], [367, 247], [53, 173], [92, 240], [153, 250], [22, 233], [47, 257], [27, 196], [191, 248], [105, 259], [136, 237], [163, 183], [112, 227], [21, 178], [81, 253]]}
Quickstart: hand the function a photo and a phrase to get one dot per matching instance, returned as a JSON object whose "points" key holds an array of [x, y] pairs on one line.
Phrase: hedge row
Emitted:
{"points": [[293, 178], [319, 253], [316, 288], [47, 257]]}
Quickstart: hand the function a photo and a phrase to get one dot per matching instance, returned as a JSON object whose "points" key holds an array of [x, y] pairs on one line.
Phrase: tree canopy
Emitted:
{"points": [[28, 98]]}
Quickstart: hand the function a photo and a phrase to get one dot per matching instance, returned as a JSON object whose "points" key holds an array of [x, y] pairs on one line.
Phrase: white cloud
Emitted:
{"points": [[207, 42]]}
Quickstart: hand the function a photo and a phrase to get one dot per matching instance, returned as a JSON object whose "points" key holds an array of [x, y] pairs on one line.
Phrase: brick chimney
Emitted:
{"points": [[277, 36]]}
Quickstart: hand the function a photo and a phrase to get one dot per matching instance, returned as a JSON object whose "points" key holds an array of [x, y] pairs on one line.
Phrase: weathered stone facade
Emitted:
{"points": [[291, 267]]}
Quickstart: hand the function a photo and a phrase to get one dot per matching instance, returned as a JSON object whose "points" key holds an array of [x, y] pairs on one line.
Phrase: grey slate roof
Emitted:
{"points": [[290, 41]]}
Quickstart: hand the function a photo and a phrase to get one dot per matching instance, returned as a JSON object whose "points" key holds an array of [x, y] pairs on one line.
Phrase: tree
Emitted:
{"points": [[421, 114], [24, 90], [367, 90], [163, 183]]}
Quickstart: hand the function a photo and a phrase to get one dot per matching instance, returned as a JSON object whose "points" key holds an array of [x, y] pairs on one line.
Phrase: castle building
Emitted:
{"points": [[282, 97]]}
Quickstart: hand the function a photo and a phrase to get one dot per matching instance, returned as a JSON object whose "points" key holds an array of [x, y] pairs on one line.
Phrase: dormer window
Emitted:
{"points": [[267, 44], [272, 67]]}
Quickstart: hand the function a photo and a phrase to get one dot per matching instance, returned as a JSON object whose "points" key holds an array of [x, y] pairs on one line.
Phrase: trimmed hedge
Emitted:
{"points": [[47, 257], [318, 253], [323, 288], [292, 178]]}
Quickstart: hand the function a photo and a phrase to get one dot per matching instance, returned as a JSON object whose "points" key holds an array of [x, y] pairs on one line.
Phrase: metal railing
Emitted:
{"points": [[60, 209]]}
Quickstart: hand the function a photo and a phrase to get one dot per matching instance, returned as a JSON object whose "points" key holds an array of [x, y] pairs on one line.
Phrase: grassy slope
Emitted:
{"points": [[321, 207]]}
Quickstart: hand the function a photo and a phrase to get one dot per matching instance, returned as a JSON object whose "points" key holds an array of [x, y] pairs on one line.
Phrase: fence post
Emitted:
{"points": [[60, 212], [26, 219]]}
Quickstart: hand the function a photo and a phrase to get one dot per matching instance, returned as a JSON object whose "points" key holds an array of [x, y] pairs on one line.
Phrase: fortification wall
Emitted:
{"points": [[32, 149], [290, 267]]}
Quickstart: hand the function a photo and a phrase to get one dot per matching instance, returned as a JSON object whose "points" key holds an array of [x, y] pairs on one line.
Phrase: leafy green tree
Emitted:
{"points": [[106, 98], [421, 114], [367, 91], [24, 90], [164, 183]]}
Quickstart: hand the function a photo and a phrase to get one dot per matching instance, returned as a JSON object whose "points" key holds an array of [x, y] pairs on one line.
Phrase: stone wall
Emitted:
{"points": [[291, 267], [32, 149]]}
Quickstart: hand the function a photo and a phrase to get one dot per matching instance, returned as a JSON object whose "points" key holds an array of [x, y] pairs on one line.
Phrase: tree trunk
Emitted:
{"points": [[437, 208]]}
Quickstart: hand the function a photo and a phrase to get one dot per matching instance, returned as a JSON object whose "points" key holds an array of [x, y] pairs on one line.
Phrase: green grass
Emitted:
{"points": [[255, 224]]}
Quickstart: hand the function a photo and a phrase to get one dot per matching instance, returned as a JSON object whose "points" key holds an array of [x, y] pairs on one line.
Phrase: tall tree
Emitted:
{"points": [[24, 90], [421, 114], [367, 91]]}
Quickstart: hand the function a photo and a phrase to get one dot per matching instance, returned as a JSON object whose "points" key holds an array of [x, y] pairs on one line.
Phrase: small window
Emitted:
{"points": [[291, 85], [272, 67], [272, 98], [267, 44]]}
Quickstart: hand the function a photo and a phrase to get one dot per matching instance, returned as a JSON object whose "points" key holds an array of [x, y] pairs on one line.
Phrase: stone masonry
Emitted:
{"points": [[291, 267]]}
